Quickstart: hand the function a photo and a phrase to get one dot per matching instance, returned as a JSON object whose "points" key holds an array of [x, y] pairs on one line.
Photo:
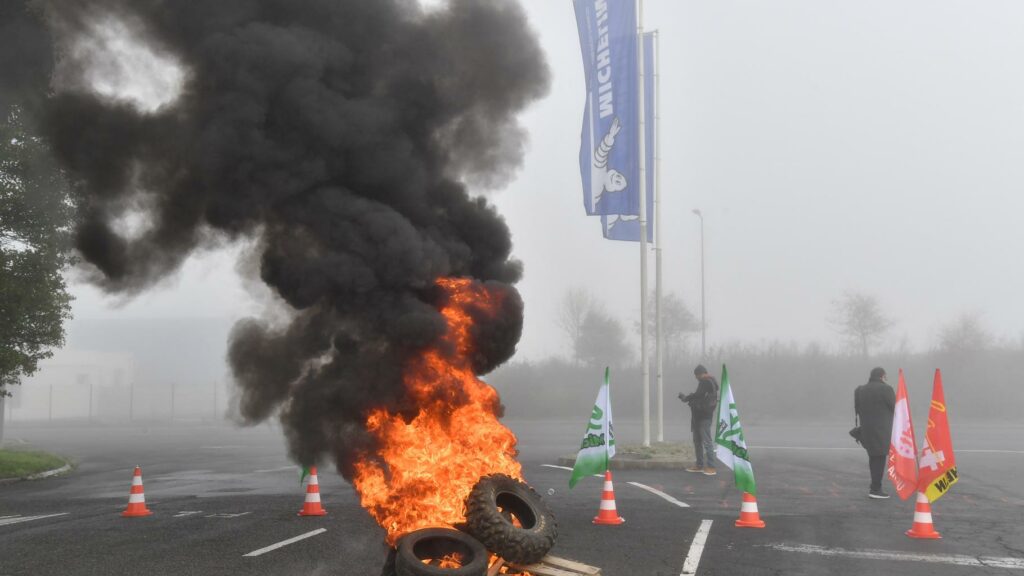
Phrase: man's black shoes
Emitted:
{"points": [[878, 495]]}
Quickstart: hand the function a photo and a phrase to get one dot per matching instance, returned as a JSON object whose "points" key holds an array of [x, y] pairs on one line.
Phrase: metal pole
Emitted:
{"points": [[644, 360], [703, 298], [3, 405], [51, 402], [131, 391], [703, 301], [660, 331], [703, 320]]}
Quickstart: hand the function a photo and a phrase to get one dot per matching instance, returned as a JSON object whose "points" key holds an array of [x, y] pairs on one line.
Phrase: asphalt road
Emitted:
{"points": [[219, 493]]}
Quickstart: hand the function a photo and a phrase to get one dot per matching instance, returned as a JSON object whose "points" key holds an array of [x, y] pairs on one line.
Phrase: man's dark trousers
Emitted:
{"points": [[703, 442], [877, 464]]}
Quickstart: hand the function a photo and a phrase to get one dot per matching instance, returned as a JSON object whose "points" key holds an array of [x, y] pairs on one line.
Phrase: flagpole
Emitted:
{"points": [[645, 364], [607, 420], [660, 337]]}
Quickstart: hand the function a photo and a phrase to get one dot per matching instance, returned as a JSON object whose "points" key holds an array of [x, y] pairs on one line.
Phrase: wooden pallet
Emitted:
{"points": [[555, 566]]}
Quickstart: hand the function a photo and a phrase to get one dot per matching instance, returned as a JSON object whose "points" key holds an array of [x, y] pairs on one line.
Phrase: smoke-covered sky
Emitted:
{"points": [[336, 140], [832, 147]]}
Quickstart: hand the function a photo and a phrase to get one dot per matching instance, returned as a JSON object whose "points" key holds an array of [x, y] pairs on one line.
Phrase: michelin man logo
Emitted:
{"points": [[617, 220], [606, 179]]}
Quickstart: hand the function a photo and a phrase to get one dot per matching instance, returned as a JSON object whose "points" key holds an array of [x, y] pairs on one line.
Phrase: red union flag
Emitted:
{"points": [[902, 462], [938, 466]]}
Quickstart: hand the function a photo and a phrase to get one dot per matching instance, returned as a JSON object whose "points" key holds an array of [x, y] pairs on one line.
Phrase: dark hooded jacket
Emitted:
{"points": [[703, 401], [874, 404]]}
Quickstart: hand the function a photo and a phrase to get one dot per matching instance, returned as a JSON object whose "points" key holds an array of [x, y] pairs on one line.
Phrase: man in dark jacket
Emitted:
{"points": [[874, 404], [702, 410]]}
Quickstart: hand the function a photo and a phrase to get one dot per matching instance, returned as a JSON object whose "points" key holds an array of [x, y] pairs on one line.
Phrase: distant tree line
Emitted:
{"points": [[774, 381]]}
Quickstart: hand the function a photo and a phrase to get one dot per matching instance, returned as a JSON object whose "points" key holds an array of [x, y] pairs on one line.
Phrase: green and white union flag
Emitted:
{"points": [[599, 441], [730, 447]]}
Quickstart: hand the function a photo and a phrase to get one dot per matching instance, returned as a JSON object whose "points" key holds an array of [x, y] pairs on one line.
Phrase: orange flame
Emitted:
{"points": [[449, 561], [426, 467]]}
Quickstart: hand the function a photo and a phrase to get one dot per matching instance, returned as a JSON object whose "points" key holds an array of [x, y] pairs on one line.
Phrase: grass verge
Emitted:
{"points": [[22, 463], [657, 451]]}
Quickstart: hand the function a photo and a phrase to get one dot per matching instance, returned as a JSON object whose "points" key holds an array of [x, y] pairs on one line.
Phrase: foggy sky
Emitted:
{"points": [[870, 147]]}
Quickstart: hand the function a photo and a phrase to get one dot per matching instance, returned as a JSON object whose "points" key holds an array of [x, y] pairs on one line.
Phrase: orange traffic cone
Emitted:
{"points": [[607, 514], [312, 505], [136, 498], [923, 527], [749, 518]]}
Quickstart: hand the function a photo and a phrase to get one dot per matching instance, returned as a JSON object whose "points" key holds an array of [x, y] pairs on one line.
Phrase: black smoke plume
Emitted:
{"points": [[337, 133]]}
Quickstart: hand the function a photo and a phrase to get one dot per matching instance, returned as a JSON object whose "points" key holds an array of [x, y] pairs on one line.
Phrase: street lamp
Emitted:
{"points": [[703, 321]]}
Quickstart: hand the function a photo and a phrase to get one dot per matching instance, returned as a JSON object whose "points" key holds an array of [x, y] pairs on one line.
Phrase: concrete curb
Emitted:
{"points": [[49, 473]]}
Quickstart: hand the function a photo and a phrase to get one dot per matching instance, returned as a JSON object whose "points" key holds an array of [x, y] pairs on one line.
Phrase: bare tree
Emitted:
{"points": [[602, 340], [678, 322], [858, 317], [964, 334], [573, 308]]}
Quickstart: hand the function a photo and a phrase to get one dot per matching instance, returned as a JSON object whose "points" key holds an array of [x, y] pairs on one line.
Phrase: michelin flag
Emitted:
{"points": [[599, 442], [609, 141], [730, 446], [626, 226]]}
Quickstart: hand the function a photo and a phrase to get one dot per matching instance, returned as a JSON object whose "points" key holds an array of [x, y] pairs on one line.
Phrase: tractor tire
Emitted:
{"points": [[388, 569], [490, 509], [435, 543]]}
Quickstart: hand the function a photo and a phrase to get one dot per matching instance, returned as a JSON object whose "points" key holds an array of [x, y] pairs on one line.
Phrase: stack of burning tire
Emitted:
{"points": [[504, 517]]}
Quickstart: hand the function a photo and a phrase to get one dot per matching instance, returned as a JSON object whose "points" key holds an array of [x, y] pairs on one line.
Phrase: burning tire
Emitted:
{"points": [[510, 519], [421, 553], [389, 563]]}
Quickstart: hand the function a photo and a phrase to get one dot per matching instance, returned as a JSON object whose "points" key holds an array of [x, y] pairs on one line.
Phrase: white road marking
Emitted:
{"points": [[283, 543], [226, 515], [858, 448], [657, 492], [7, 521], [281, 469], [977, 561], [185, 513], [224, 447], [696, 549], [569, 469]]}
